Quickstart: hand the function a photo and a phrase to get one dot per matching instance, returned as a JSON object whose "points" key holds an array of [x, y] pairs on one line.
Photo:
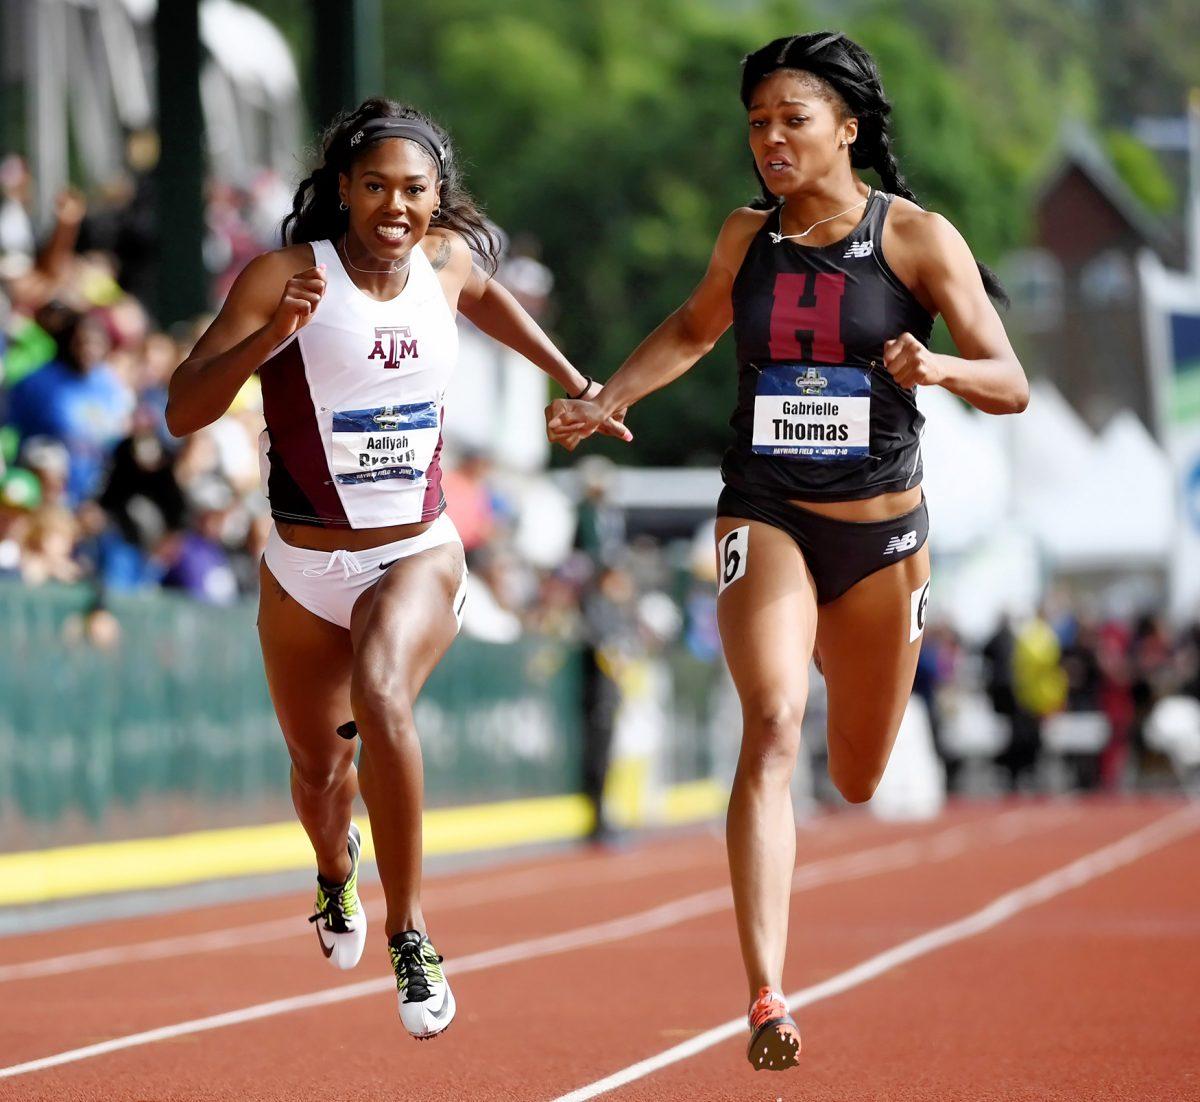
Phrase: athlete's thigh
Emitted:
{"points": [[404, 623], [766, 613], [308, 662], [869, 639]]}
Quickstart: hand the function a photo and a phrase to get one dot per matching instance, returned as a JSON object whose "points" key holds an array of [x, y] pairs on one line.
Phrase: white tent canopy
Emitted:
{"points": [[1091, 503], [967, 475]]}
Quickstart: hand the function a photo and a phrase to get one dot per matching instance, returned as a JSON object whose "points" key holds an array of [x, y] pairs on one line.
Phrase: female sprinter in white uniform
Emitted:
{"points": [[831, 290], [351, 329]]}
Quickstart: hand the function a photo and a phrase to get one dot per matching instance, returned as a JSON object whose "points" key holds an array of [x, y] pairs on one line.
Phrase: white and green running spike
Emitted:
{"points": [[424, 997], [340, 919]]}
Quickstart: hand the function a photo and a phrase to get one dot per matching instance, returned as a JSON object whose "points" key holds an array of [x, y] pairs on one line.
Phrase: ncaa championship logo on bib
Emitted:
{"points": [[813, 412], [370, 445]]}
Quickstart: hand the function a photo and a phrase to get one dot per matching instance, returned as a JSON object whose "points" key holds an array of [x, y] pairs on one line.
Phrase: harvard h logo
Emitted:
{"points": [[806, 317], [398, 343]]}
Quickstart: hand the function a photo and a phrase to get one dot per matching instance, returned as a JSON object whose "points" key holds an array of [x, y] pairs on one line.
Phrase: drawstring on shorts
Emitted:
{"points": [[346, 559]]}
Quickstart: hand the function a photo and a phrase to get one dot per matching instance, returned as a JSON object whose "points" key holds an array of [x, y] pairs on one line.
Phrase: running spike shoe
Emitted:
{"points": [[425, 999], [340, 919], [774, 1038]]}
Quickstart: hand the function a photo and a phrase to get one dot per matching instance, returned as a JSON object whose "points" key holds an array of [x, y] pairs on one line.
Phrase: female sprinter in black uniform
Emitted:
{"points": [[351, 329], [832, 291]]}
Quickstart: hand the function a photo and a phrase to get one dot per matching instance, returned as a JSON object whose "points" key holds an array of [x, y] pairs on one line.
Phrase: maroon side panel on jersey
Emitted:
{"points": [[300, 483], [431, 504]]}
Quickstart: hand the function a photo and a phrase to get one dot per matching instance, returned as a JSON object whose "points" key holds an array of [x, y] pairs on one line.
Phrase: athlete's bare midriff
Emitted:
{"points": [[347, 539], [880, 507]]}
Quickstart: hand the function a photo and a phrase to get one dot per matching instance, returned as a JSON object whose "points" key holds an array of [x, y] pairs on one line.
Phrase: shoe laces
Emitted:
{"points": [[416, 963], [338, 904], [768, 1005]]}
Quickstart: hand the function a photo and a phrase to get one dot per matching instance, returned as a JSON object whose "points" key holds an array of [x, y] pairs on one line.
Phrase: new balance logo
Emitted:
{"points": [[897, 544], [859, 249]]}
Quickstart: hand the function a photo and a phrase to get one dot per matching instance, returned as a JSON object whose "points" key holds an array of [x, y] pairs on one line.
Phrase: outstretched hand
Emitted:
{"points": [[572, 420]]}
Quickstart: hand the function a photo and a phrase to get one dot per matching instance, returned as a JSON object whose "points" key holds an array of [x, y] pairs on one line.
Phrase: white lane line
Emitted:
{"points": [[892, 857], [519, 884], [1098, 863]]}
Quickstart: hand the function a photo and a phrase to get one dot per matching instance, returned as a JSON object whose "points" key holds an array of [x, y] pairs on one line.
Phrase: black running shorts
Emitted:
{"points": [[839, 553]]}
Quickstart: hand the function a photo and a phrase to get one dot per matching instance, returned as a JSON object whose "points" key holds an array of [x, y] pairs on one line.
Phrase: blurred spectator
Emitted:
{"points": [[936, 668], [142, 495], [1152, 676], [469, 500], [997, 657], [197, 561], [600, 534], [1116, 699], [77, 399], [1040, 688], [20, 496], [50, 546], [610, 616], [50, 462], [95, 627], [16, 227]]}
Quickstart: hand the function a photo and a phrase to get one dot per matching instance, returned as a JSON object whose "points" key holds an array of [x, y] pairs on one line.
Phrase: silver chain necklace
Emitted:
{"points": [[776, 238], [374, 271]]}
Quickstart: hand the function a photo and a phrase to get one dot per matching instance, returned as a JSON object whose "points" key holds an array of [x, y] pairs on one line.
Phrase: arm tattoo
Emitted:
{"points": [[442, 257]]}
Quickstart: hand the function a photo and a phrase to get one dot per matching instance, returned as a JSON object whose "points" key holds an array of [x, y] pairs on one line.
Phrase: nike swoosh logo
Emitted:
{"points": [[385, 565], [326, 949], [441, 1011]]}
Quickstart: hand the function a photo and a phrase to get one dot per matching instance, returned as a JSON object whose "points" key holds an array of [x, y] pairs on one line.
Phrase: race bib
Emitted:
{"points": [[370, 445], [813, 412]]}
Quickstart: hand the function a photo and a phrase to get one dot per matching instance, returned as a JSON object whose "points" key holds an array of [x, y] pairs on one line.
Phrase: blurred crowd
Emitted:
{"points": [[92, 485], [1114, 703]]}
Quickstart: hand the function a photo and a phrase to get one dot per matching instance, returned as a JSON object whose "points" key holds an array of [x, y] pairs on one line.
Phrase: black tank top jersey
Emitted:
{"points": [[818, 416]]}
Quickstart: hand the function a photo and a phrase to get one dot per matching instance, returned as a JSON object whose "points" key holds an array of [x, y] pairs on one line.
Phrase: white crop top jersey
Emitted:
{"points": [[353, 404]]}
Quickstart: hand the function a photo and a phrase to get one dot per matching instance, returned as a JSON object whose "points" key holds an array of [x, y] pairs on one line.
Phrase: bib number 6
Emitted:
{"points": [[733, 550]]}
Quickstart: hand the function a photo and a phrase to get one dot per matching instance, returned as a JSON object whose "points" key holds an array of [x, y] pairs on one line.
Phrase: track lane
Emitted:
{"points": [[1090, 994], [30, 955], [703, 940]]}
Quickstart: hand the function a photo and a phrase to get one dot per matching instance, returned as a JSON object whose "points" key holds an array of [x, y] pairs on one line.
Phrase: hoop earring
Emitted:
{"points": [[437, 213], [342, 206]]}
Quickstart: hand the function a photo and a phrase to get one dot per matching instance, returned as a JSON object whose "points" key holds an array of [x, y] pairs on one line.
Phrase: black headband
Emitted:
{"points": [[413, 129], [810, 49]]}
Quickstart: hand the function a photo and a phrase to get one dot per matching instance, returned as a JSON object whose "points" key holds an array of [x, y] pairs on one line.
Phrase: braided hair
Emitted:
{"points": [[316, 213], [849, 73]]}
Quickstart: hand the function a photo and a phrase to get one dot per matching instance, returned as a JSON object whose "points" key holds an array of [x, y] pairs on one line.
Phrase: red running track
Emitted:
{"points": [[1024, 951]]}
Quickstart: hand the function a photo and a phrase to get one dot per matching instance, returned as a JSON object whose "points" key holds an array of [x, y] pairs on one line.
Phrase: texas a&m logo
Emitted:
{"points": [[393, 345]]}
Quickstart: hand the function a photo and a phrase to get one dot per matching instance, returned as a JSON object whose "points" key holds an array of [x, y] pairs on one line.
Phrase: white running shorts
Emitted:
{"points": [[328, 583]]}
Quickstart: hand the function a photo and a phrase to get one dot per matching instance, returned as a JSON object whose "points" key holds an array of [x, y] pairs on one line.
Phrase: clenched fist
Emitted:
{"points": [[301, 296], [910, 363]]}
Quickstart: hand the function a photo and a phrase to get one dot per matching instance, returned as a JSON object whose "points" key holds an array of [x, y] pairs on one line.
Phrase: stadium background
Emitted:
{"points": [[146, 158]]}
